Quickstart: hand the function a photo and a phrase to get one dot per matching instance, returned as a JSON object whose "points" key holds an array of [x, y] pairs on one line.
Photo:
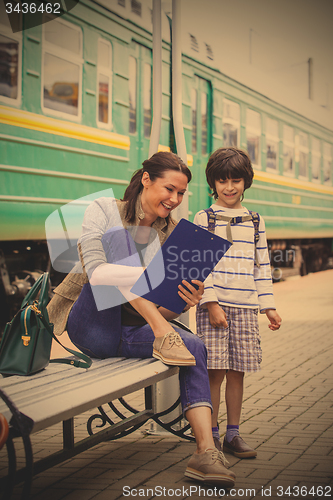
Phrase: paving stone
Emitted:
{"points": [[287, 415]]}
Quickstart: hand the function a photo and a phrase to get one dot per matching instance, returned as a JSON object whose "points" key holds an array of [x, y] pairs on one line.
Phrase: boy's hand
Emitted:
{"points": [[274, 319], [217, 317]]}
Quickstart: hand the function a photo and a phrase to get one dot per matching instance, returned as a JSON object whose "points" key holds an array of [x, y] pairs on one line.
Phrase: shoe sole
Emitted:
{"points": [[173, 362], [217, 479], [239, 454]]}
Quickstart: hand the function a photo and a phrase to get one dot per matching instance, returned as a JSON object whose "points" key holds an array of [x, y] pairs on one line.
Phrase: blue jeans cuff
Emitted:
{"points": [[197, 404]]}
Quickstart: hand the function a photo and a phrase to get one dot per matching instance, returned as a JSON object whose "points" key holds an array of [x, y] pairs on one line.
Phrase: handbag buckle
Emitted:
{"points": [[35, 308], [26, 340]]}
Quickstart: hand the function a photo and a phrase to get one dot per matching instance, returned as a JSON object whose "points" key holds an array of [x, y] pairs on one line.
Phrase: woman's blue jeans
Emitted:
{"points": [[100, 334]]}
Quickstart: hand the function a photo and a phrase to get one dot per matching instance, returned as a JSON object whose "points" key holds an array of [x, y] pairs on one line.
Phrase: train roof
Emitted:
{"points": [[139, 12]]}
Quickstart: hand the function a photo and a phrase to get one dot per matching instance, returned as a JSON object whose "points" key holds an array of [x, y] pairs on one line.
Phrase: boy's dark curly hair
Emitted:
{"points": [[229, 163]]}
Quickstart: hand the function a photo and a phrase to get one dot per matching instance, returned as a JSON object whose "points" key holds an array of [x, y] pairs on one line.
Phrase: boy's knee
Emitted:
{"points": [[216, 376], [235, 375]]}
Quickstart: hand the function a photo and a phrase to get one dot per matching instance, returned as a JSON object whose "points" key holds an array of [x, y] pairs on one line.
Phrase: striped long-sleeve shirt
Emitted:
{"points": [[236, 281]]}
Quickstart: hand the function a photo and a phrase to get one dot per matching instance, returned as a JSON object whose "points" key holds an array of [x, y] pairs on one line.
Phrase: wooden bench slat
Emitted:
{"points": [[57, 375], [61, 394]]}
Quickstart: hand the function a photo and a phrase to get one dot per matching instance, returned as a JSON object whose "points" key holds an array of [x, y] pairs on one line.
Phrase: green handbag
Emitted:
{"points": [[26, 344]]}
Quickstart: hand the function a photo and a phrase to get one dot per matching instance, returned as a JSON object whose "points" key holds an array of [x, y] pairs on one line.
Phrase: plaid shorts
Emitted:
{"points": [[236, 347]]}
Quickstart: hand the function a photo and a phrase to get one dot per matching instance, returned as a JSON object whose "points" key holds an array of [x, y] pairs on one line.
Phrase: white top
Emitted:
{"points": [[236, 281]]}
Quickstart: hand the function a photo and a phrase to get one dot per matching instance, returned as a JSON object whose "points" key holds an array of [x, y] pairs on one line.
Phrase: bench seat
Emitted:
{"points": [[61, 392]]}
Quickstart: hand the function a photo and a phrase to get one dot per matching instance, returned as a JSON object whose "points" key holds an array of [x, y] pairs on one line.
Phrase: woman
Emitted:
{"points": [[85, 303]]}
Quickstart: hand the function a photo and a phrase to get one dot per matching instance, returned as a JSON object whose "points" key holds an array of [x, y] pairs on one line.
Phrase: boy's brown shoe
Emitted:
{"points": [[172, 351], [238, 448], [209, 467]]}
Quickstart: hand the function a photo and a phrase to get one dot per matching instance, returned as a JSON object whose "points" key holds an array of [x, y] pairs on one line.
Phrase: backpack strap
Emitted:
{"points": [[256, 220], [254, 217], [211, 220], [213, 217]]}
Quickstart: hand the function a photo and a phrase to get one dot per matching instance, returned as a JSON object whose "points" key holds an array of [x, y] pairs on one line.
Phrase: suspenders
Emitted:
{"points": [[254, 217]]}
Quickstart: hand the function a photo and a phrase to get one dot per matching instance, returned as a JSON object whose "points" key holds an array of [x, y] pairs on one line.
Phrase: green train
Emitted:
{"points": [[75, 119]]}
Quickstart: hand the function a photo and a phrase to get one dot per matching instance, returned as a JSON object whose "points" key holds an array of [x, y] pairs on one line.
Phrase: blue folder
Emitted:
{"points": [[190, 252]]}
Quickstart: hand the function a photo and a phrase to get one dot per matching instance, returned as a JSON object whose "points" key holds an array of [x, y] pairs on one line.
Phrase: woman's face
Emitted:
{"points": [[164, 194]]}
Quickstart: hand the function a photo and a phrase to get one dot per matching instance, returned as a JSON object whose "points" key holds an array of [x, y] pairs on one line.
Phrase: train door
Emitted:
{"points": [[140, 102], [201, 143]]}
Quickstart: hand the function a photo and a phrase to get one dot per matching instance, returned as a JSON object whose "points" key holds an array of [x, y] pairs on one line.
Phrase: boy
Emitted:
{"points": [[227, 316]]}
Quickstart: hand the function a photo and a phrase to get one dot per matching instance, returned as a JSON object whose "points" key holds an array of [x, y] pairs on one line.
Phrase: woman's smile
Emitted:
{"points": [[163, 195]]}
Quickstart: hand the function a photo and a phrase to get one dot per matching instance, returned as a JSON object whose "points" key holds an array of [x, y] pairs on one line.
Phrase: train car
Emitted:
{"points": [[75, 119]]}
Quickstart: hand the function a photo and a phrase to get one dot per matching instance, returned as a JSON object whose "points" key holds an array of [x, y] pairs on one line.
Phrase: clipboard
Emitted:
{"points": [[189, 253]]}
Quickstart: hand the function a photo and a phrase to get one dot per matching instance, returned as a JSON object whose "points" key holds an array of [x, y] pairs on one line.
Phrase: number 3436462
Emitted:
{"points": [[304, 491], [32, 8]]}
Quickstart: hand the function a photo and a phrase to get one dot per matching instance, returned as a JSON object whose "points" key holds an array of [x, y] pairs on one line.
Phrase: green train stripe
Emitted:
{"points": [[298, 219], [61, 147], [53, 173], [35, 199], [287, 205], [292, 191]]}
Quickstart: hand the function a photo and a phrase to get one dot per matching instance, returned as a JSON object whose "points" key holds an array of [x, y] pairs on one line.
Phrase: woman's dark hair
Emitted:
{"points": [[229, 163], [155, 167]]}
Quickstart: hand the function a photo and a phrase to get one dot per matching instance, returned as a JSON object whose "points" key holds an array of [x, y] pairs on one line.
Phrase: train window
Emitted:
{"points": [[231, 123], [272, 144], [10, 57], [194, 119], [10, 64], [62, 68], [147, 100], [288, 150], [253, 134], [315, 159], [63, 35], [136, 7], [204, 110], [327, 164], [132, 94], [104, 75], [303, 165]]}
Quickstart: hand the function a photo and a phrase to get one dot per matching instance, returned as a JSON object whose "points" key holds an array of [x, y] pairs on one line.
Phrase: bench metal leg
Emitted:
{"points": [[68, 434], [132, 426], [19, 426]]}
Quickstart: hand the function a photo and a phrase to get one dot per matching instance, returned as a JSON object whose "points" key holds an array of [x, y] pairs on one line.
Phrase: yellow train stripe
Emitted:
{"points": [[33, 121], [295, 183], [166, 148]]}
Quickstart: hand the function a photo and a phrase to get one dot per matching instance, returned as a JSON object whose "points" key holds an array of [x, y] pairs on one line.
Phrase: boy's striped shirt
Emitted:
{"points": [[236, 281]]}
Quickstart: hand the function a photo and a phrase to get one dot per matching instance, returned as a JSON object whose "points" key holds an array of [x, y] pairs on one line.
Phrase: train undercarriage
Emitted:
{"points": [[22, 262]]}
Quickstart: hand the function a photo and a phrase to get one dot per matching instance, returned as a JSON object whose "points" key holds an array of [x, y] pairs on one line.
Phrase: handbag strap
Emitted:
{"points": [[41, 284], [44, 293], [86, 361], [32, 294]]}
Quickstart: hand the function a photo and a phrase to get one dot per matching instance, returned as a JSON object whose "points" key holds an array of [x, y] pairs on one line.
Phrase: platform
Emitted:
{"points": [[287, 416]]}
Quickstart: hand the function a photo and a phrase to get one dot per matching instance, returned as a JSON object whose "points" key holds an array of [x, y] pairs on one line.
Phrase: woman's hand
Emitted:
{"points": [[191, 294]]}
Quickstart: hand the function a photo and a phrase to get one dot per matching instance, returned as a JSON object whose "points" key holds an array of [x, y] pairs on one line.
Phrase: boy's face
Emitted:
{"points": [[229, 192]]}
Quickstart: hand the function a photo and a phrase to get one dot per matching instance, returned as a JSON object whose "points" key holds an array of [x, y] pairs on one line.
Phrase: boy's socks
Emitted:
{"points": [[232, 431], [216, 434]]}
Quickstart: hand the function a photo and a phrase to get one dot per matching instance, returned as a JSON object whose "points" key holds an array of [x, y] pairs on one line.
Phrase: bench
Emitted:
{"points": [[61, 392]]}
